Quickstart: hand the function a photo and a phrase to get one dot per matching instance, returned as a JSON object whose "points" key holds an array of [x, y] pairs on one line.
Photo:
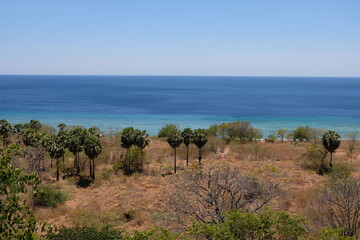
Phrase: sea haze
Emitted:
{"points": [[149, 102]]}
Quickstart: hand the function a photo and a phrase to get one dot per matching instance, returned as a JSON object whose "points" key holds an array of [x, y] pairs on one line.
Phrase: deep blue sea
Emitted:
{"points": [[149, 102]]}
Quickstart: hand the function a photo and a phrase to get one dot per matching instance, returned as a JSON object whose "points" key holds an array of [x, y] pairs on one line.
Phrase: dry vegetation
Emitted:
{"points": [[142, 201]]}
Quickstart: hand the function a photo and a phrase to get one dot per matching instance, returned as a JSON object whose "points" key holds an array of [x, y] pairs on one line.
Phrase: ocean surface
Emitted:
{"points": [[149, 102]]}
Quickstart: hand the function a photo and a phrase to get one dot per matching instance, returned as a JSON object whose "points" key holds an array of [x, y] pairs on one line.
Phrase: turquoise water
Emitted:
{"points": [[149, 102]]}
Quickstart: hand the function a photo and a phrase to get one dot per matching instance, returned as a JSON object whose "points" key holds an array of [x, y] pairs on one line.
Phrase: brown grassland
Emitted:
{"points": [[143, 200]]}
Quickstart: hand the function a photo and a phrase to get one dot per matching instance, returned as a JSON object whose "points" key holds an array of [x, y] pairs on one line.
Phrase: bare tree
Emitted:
{"points": [[205, 194], [338, 206]]}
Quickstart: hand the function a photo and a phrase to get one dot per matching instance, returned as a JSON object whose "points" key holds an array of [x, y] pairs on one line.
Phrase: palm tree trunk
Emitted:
{"points": [[331, 164], [90, 168], [175, 161], [200, 156], [187, 156], [51, 163]]}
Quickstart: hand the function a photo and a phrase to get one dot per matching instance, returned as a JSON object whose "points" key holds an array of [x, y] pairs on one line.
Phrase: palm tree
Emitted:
{"points": [[63, 138], [5, 131], [200, 139], [56, 150], [187, 137], [93, 148], [331, 141], [76, 144], [175, 141]]}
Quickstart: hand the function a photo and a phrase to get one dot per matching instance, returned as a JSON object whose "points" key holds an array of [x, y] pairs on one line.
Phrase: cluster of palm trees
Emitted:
{"points": [[188, 136], [133, 138], [76, 140]]}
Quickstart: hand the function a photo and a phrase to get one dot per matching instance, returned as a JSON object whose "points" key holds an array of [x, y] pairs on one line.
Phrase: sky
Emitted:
{"points": [[180, 37]]}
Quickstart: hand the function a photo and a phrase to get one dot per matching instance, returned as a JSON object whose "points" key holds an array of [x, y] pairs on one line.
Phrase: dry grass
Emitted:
{"points": [[141, 201]]}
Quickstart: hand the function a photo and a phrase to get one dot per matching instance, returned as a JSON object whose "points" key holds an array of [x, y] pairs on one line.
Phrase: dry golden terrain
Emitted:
{"points": [[142, 201]]}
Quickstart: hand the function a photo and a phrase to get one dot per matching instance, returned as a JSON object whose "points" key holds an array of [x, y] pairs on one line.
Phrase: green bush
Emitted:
{"points": [[240, 131], [243, 225], [48, 196], [86, 233], [303, 133], [156, 233], [167, 131], [314, 157], [339, 172], [133, 161]]}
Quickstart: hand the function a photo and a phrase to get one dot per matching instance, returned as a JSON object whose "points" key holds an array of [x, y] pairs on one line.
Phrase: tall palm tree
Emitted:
{"points": [[76, 144], [200, 139], [93, 148], [175, 141], [56, 150], [331, 142], [187, 137]]}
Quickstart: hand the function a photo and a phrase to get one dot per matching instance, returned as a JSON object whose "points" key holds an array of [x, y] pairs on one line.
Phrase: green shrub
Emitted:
{"points": [[167, 131], [314, 157], [240, 224], [303, 133], [241, 131], [339, 172], [133, 161], [156, 233], [48, 196], [86, 233]]}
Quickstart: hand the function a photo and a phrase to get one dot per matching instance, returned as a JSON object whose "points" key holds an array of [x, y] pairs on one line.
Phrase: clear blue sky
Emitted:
{"points": [[184, 37]]}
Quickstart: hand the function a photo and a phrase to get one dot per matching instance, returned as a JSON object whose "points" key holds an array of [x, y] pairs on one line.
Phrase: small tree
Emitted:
{"points": [[5, 131], [281, 134], [93, 148], [302, 133], [200, 139], [16, 219], [187, 137], [331, 142], [175, 141], [56, 150], [167, 130]]}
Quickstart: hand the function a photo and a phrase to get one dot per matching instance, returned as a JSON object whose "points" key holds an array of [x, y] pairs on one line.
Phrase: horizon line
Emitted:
{"points": [[178, 75]]}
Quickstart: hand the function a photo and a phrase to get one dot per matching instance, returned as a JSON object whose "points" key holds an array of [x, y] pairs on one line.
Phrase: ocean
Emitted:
{"points": [[149, 102]]}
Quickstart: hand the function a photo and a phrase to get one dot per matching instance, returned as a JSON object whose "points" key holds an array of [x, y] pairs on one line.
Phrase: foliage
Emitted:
{"points": [[243, 225], [16, 219], [134, 141], [31, 137], [271, 138], [338, 172], [187, 137], [131, 136], [333, 234], [240, 130], [5, 131], [302, 133], [86, 233], [200, 139], [167, 130], [48, 196], [281, 133], [175, 141], [133, 161], [156, 233], [331, 142], [314, 157], [92, 148]]}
